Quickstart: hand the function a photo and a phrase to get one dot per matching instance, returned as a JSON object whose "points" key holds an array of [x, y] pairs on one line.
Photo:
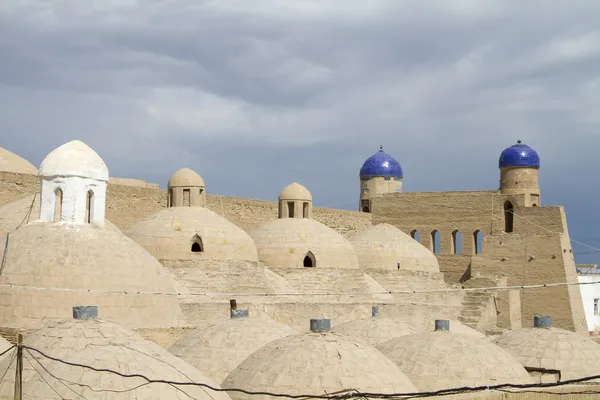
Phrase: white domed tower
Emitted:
{"points": [[295, 201], [380, 174], [73, 180], [186, 189], [519, 166]]}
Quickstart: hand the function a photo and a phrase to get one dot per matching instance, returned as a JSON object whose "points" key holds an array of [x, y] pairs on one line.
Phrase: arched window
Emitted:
{"points": [[187, 200], [508, 217], [170, 198], [290, 209], [197, 246], [435, 241], [457, 240], [305, 209], [415, 234], [309, 260], [478, 241], [89, 203], [365, 209], [58, 200]]}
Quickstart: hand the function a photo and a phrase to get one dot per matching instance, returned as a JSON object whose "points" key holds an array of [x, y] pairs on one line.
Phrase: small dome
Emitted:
{"points": [[217, 348], [374, 330], [103, 345], [83, 257], [10, 162], [170, 234], [317, 363], [381, 164], [573, 354], [443, 360], [287, 242], [185, 177], [74, 159], [384, 246], [519, 155], [295, 191]]}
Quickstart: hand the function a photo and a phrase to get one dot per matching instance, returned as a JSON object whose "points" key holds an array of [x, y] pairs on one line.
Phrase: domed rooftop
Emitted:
{"points": [[443, 360], [317, 363], [574, 355], [187, 178], [519, 155], [24, 211], [295, 191], [102, 344], [374, 330], [217, 348], [287, 242], [10, 162], [74, 159], [381, 164], [81, 258], [171, 233], [384, 246]]}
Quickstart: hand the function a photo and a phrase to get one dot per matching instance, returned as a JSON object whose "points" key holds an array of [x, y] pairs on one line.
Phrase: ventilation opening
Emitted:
{"points": [[457, 242], [186, 198], [415, 234], [197, 246], [435, 242], [365, 209], [290, 209], [305, 210], [478, 241], [508, 217], [309, 260], [58, 200], [89, 204]]}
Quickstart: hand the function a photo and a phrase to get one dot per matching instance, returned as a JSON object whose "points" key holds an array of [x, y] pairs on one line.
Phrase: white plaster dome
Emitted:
{"points": [[170, 234], [185, 177], [10, 162], [574, 355], [317, 363], [74, 158], [82, 257], [374, 330], [443, 360], [217, 348], [286, 242], [295, 191], [386, 247], [102, 344]]}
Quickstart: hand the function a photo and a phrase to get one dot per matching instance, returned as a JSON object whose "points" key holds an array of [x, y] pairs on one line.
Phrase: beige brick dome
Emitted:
{"points": [[74, 158], [10, 162], [374, 330], [24, 211], [185, 177], [574, 355], [287, 242], [102, 344], [217, 348], [82, 257], [317, 363], [443, 360], [171, 233], [384, 246], [295, 191]]}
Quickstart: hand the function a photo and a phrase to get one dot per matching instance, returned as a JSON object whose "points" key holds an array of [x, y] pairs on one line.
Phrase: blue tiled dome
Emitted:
{"points": [[519, 155], [381, 164]]}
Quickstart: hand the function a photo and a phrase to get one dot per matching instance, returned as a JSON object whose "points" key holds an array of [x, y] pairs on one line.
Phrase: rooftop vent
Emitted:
{"points": [[320, 325], [442, 325], [234, 312], [542, 321], [375, 311], [85, 312]]}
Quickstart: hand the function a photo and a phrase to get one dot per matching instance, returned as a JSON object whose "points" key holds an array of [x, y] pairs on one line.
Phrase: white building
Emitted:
{"points": [[590, 295]]}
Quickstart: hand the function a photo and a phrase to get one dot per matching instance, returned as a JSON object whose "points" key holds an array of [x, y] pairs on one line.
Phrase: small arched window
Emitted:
{"points": [[365, 209], [415, 234], [58, 200], [435, 241], [197, 246], [457, 242], [89, 204], [309, 260], [508, 217], [478, 241]]}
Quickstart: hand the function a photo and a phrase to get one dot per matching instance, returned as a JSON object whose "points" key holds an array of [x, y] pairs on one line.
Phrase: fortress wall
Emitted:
{"points": [[129, 204], [539, 220]]}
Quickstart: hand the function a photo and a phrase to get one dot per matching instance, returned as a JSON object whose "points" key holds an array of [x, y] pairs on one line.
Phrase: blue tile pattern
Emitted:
{"points": [[381, 164], [519, 155]]}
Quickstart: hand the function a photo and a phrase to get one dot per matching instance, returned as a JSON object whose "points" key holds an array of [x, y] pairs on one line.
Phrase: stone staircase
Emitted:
{"points": [[473, 308]]}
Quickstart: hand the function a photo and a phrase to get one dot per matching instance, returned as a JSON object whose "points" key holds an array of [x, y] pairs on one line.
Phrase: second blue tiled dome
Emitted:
{"points": [[519, 155], [381, 164]]}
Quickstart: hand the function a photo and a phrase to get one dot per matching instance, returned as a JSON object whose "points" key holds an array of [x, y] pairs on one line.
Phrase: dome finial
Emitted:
{"points": [[519, 141], [380, 147]]}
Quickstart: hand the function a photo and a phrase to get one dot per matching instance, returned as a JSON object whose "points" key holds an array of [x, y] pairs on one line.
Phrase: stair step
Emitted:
{"points": [[471, 314], [466, 320], [473, 301]]}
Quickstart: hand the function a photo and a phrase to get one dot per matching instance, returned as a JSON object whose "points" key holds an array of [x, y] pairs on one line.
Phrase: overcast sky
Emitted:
{"points": [[256, 94]]}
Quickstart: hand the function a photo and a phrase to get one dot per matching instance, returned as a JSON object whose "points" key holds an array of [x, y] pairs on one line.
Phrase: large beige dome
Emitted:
{"points": [[317, 363], [217, 348], [295, 191], [374, 330], [185, 177], [443, 360], [74, 158], [287, 242], [170, 234], [102, 344], [24, 211], [82, 257], [574, 355], [384, 246], [10, 162]]}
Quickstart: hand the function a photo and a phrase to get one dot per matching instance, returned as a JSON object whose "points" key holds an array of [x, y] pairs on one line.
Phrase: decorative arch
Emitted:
{"points": [[435, 241], [508, 216], [478, 241], [58, 204], [457, 242], [309, 260], [415, 234], [89, 206], [197, 245]]}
